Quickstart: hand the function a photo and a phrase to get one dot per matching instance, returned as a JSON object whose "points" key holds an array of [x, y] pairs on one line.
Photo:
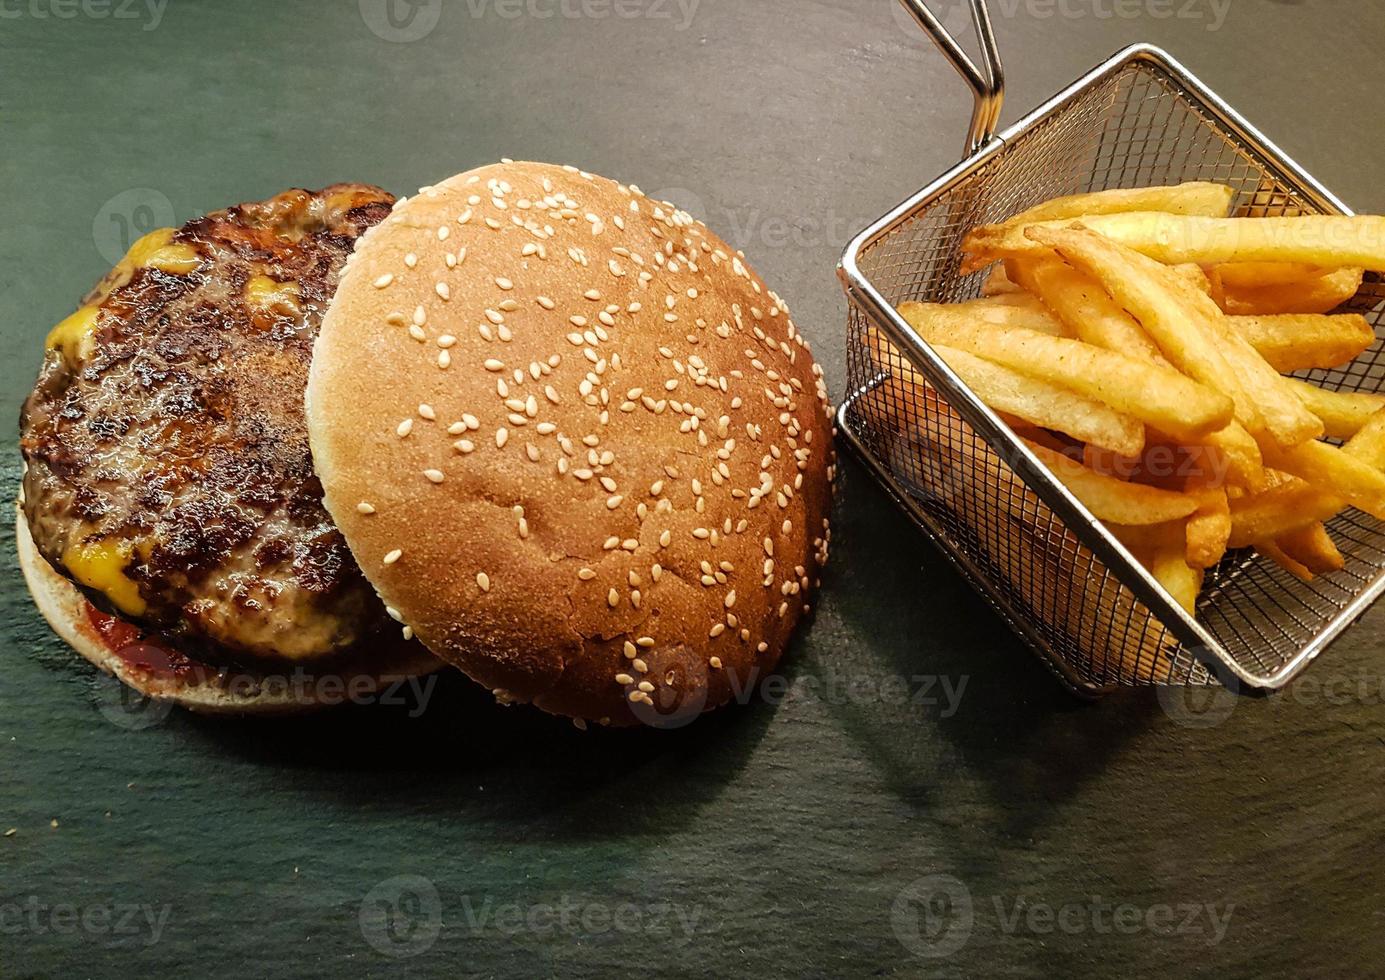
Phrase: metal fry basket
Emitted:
{"points": [[1059, 578]]}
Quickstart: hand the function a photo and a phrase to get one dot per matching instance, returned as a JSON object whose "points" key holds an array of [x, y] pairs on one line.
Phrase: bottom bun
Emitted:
{"points": [[158, 671]]}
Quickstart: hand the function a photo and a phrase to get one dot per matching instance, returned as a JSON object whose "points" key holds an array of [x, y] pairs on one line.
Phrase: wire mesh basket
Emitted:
{"points": [[1054, 573]]}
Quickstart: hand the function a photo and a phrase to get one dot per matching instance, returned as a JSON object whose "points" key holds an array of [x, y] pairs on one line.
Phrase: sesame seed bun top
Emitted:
{"points": [[575, 443]]}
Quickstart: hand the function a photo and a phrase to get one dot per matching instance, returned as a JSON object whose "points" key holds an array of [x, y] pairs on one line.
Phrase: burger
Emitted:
{"points": [[554, 433], [171, 527]]}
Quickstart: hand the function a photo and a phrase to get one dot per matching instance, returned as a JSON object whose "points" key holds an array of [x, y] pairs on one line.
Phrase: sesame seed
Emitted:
{"points": [[504, 283], [364, 508], [484, 581], [502, 436], [586, 575], [393, 556], [646, 687], [434, 476], [715, 662], [613, 598], [464, 446], [404, 428], [624, 679], [384, 280], [546, 303], [426, 411], [443, 291], [491, 364]]}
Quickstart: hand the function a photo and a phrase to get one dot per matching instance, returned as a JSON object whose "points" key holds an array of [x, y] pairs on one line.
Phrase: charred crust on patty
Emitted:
{"points": [[167, 429]]}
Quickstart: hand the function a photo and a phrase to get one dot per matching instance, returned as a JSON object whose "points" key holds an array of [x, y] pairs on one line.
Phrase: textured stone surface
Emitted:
{"points": [[783, 834]]}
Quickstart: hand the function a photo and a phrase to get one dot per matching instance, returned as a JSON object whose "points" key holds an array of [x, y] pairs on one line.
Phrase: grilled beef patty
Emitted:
{"points": [[168, 470]]}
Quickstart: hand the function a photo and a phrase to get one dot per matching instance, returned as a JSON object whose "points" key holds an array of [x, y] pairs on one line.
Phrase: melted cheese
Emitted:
{"points": [[157, 250], [101, 566], [270, 296], [72, 334]]}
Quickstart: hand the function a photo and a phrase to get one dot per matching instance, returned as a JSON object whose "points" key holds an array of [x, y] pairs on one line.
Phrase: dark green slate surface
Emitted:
{"points": [[790, 839]]}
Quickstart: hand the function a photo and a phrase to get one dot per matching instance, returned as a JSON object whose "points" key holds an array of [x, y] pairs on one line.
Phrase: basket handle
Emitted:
{"points": [[988, 88]]}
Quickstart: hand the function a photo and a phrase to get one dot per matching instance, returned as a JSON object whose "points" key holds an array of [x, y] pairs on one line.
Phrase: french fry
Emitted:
{"points": [[1368, 444], [1299, 342], [998, 283], [1037, 402], [1184, 334], [1177, 577], [1338, 473], [1158, 396], [1343, 413], [1113, 500], [1285, 418], [1319, 295], [1255, 274], [1160, 548], [1010, 310], [1239, 454], [1084, 307], [1313, 548], [1276, 554], [1329, 241], [1209, 529], [1198, 197]]}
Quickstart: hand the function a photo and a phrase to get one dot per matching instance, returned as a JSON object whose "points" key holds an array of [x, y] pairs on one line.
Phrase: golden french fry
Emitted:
{"points": [[1113, 500], [1329, 241], [1320, 295], [1084, 307], [1368, 444], [1236, 455], [1262, 517], [1197, 197], [1255, 274], [1037, 402], [1158, 396], [1169, 566], [1185, 335], [1276, 554], [1313, 548], [1285, 418], [998, 283], [1336, 472], [1010, 310], [1209, 529], [1343, 412], [1295, 503], [1299, 342]]}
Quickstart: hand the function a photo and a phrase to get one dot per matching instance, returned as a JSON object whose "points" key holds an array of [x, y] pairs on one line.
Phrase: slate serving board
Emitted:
{"points": [[915, 798]]}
